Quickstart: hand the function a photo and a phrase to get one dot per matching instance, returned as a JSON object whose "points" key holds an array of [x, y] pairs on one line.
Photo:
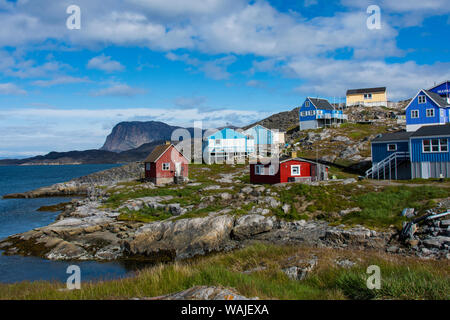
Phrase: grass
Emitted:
{"points": [[378, 208], [144, 215], [402, 278]]}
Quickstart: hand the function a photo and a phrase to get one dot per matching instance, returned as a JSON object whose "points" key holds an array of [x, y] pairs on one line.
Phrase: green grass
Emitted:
{"points": [[144, 215], [379, 209], [402, 278]]}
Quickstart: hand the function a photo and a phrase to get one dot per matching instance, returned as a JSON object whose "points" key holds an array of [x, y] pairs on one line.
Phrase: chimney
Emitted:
{"points": [[294, 154], [168, 142]]}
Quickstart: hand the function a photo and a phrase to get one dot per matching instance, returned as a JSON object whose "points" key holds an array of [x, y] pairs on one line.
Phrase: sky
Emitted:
{"points": [[216, 61]]}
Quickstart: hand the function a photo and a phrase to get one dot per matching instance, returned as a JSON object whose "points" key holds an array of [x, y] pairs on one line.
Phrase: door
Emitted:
{"points": [[177, 169], [426, 170]]}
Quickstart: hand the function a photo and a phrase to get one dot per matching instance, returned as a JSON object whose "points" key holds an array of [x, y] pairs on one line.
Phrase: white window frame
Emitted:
{"points": [[413, 112], [217, 142], [166, 166], [259, 170], [442, 145], [421, 99], [367, 96], [319, 112], [303, 113], [392, 144], [432, 115], [307, 104], [292, 170]]}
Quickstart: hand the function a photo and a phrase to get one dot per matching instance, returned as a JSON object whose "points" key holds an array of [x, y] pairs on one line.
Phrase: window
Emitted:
{"points": [[414, 114], [435, 145], [319, 111], [313, 112], [259, 169], [295, 170], [217, 142], [392, 147], [422, 99], [166, 166], [303, 113], [307, 104], [430, 112], [367, 96], [147, 166]]}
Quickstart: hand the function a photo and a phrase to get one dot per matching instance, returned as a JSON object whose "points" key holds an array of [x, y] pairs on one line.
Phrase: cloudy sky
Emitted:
{"points": [[219, 61]]}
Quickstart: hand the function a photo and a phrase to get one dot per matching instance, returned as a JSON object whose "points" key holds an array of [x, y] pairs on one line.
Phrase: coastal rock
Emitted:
{"points": [[182, 238], [203, 293], [251, 225]]}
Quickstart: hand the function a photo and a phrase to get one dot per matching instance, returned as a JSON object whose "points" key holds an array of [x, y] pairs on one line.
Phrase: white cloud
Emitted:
{"points": [[190, 102], [105, 63], [255, 84], [120, 90], [60, 80], [11, 89]]}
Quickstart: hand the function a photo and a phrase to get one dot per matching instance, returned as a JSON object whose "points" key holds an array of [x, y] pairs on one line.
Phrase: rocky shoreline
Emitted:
{"points": [[87, 229]]}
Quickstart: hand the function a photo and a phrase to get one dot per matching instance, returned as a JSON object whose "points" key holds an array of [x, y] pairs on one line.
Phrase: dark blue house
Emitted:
{"points": [[426, 108], [318, 113], [405, 155], [442, 89]]}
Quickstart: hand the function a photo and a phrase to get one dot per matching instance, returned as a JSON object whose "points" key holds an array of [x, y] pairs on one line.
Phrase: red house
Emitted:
{"points": [[166, 165], [287, 170]]}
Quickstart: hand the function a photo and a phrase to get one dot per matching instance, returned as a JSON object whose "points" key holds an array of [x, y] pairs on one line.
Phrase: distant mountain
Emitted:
{"points": [[130, 135], [86, 157]]}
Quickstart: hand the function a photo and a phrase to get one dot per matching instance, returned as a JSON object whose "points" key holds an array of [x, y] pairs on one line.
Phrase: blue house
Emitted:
{"points": [[227, 145], [266, 141], [409, 155], [442, 89], [426, 108], [318, 113]]}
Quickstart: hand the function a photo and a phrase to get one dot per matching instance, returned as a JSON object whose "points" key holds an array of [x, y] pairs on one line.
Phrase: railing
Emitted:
{"points": [[381, 166], [332, 116]]}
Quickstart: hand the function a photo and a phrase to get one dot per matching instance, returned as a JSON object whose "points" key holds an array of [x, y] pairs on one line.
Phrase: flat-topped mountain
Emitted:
{"points": [[130, 135]]}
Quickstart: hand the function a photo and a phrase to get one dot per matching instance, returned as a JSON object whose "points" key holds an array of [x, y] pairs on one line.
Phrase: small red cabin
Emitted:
{"points": [[288, 170], [166, 165]]}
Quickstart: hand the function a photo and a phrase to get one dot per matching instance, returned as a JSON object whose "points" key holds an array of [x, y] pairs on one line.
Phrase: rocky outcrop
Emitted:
{"points": [[203, 293], [183, 238]]}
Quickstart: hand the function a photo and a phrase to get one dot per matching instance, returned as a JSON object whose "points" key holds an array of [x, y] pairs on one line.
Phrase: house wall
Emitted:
{"points": [[417, 154], [359, 98], [380, 152], [426, 170], [412, 124], [261, 135], [285, 169], [308, 125], [266, 178]]}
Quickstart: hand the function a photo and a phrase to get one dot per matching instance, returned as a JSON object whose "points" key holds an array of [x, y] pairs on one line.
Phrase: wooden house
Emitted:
{"points": [[227, 145], [367, 97], [318, 113], [427, 108], [287, 170], [166, 164]]}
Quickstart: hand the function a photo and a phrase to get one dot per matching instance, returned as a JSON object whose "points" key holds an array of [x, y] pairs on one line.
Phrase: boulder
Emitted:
{"points": [[252, 224], [182, 238]]}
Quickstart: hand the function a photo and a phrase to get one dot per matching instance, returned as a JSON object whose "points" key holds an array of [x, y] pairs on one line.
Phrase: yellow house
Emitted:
{"points": [[367, 97]]}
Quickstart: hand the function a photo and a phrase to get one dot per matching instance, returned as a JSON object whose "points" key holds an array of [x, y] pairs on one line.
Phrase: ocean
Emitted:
{"points": [[20, 215]]}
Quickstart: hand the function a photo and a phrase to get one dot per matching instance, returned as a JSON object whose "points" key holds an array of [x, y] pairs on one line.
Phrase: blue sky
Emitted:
{"points": [[218, 61]]}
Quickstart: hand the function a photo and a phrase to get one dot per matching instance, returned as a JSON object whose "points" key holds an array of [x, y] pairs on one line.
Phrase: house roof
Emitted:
{"points": [[439, 84], [441, 102], [402, 135], [226, 133], [157, 152], [430, 131], [366, 90], [321, 103], [282, 160]]}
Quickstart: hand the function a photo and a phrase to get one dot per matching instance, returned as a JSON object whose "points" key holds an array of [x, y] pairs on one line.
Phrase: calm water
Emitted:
{"points": [[20, 215]]}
